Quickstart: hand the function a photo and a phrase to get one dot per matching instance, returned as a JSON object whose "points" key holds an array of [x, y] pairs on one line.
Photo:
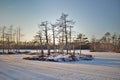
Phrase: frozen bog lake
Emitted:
{"points": [[105, 66]]}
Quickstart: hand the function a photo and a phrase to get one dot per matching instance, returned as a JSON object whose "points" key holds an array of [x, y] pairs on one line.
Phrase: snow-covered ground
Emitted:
{"points": [[105, 66]]}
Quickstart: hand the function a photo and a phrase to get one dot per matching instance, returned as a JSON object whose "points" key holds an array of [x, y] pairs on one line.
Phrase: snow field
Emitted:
{"points": [[105, 66]]}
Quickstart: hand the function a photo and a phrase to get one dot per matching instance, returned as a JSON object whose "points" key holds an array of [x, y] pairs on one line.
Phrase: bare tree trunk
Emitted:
{"points": [[63, 41], [18, 39], [3, 32], [46, 35], [53, 30], [19, 33], [8, 44], [70, 38], [66, 37], [11, 37], [80, 46], [41, 46]]}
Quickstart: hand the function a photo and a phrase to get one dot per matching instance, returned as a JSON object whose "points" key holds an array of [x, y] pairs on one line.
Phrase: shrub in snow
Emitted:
{"points": [[62, 57]]}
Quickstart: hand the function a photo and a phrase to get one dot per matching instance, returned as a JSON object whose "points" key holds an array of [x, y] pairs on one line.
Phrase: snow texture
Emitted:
{"points": [[105, 66]]}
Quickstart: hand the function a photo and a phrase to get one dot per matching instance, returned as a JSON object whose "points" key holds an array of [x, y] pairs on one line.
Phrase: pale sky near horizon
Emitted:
{"points": [[92, 17]]}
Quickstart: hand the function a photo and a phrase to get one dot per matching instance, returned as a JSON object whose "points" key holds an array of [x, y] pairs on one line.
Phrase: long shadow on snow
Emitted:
{"points": [[98, 61]]}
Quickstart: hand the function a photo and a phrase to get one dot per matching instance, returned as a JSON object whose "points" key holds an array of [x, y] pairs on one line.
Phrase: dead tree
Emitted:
{"points": [[3, 38], [45, 25], [64, 23], [40, 38], [70, 36], [54, 35], [9, 35], [18, 38]]}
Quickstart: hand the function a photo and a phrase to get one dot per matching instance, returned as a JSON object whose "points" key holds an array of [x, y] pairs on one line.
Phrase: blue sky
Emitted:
{"points": [[92, 17]]}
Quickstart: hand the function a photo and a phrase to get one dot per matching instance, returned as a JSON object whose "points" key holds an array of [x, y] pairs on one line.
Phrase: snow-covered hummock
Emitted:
{"points": [[105, 66], [59, 57]]}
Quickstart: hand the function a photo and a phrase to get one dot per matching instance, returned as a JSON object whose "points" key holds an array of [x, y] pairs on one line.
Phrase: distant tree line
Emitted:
{"points": [[10, 38], [107, 43]]}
